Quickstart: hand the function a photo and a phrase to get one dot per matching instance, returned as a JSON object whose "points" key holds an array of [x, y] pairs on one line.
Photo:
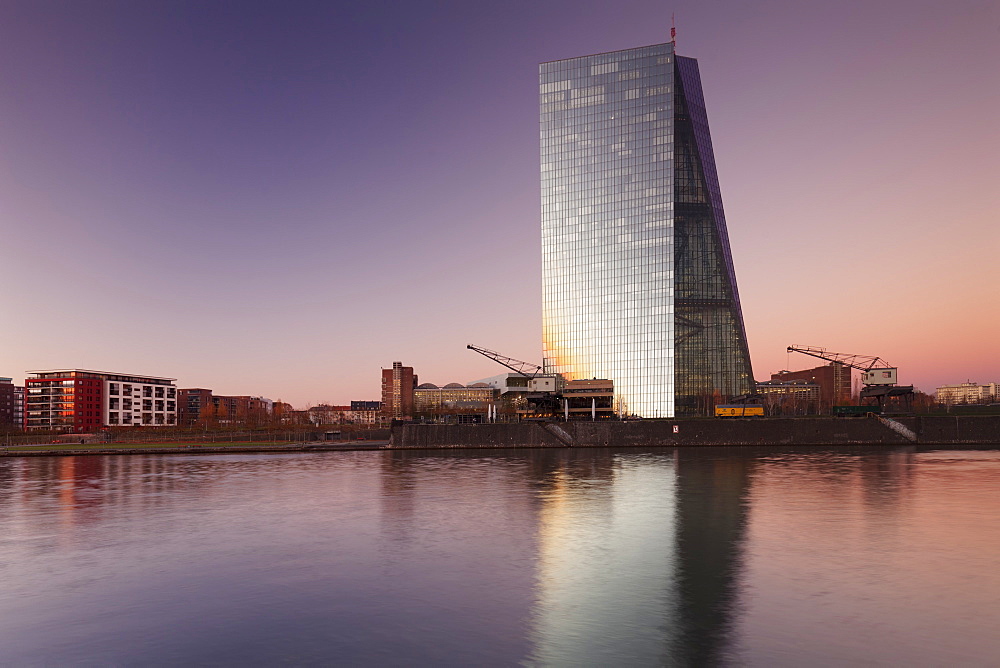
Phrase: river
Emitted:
{"points": [[713, 556]]}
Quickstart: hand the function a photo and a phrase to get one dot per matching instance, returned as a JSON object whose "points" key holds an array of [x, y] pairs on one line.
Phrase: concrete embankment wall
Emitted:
{"points": [[698, 432]]}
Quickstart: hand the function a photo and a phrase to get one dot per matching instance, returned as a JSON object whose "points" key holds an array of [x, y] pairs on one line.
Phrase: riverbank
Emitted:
{"points": [[929, 430], [699, 432], [71, 450]]}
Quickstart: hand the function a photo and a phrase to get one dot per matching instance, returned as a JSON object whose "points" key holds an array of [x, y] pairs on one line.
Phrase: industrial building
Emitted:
{"points": [[638, 282]]}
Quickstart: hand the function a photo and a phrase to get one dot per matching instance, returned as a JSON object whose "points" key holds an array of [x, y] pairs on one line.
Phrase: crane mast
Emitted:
{"points": [[526, 369], [863, 363]]}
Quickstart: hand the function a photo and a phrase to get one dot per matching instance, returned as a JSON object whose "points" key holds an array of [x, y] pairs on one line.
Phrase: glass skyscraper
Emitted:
{"points": [[637, 277]]}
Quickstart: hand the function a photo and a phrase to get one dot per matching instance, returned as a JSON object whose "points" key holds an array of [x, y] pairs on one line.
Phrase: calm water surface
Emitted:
{"points": [[531, 557]]}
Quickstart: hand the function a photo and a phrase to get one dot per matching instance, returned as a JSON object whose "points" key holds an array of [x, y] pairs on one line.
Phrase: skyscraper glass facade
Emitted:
{"points": [[637, 277]]}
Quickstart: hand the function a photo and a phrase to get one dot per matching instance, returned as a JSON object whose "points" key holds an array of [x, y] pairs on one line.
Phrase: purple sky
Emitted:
{"points": [[282, 198]]}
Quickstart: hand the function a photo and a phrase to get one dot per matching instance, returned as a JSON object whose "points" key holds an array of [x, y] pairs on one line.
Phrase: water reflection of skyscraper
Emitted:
{"points": [[712, 490], [642, 560]]}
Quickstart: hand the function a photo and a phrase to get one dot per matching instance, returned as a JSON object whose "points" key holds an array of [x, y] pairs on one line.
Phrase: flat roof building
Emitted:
{"points": [[968, 393], [834, 380], [8, 402], [638, 284], [80, 400], [454, 398], [515, 382], [588, 399], [398, 384], [791, 397]]}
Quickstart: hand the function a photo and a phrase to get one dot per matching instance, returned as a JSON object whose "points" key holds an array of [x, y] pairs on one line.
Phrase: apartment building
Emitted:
{"points": [[81, 400]]}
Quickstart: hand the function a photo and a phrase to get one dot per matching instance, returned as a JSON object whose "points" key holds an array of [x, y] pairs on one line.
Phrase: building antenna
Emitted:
{"points": [[673, 30]]}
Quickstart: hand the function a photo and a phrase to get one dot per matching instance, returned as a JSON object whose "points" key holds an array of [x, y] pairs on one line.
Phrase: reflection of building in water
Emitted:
{"points": [[639, 561], [711, 527], [885, 478], [606, 563], [87, 488]]}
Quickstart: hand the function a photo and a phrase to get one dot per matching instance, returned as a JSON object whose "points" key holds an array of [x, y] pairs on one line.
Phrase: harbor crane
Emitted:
{"points": [[539, 404], [526, 369], [863, 363], [878, 377]]}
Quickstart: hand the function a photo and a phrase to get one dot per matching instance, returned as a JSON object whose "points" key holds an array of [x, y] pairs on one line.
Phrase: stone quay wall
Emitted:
{"points": [[939, 430]]}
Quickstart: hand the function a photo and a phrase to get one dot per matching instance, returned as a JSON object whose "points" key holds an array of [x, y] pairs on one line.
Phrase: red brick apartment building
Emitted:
{"points": [[8, 412], [193, 402], [81, 401]]}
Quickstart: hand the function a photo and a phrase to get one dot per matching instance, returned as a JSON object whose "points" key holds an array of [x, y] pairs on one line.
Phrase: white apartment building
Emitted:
{"points": [[968, 393]]}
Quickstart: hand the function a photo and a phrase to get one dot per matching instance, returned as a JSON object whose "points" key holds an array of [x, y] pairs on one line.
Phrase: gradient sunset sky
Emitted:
{"points": [[281, 198]]}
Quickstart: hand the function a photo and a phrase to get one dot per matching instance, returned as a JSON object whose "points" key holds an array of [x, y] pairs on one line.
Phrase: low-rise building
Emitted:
{"points": [[834, 380], [365, 412], [968, 393], [193, 403], [199, 405], [516, 383], [432, 401], [791, 397], [324, 414], [516, 392], [80, 400], [242, 410], [589, 399]]}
